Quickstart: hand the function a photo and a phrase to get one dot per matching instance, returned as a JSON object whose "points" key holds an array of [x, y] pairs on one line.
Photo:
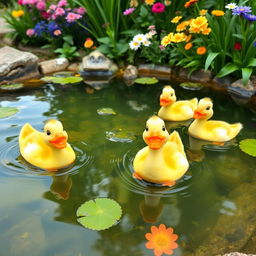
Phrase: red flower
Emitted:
{"points": [[45, 15], [158, 7], [238, 46]]}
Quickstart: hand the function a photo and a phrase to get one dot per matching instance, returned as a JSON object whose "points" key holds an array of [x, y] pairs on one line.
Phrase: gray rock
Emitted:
{"points": [[97, 64], [4, 29], [222, 82], [74, 67], [158, 71], [16, 65], [202, 76], [55, 65], [130, 73], [238, 254]]}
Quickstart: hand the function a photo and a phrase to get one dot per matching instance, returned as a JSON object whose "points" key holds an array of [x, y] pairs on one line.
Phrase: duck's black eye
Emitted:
{"points": [[172, 94], [146, 128], [208, 108], [163, 129], [48, 132]]}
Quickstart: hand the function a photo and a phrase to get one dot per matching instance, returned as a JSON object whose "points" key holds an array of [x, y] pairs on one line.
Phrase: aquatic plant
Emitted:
{"points": [[248, 146], [7, 111]]}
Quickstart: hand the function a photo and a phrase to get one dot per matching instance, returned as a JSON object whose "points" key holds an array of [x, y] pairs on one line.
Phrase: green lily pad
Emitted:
{"points": [[248, 146], [11, 87], [99, 214], [62, 80], [146, 80], [106, 112], [7, 111], [191, 86], [63, 74]]}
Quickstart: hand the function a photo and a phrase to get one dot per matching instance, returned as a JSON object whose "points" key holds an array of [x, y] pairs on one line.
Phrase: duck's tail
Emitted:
{"points": [[175, 138], [25, 131], [194, 103], [235, 129]]}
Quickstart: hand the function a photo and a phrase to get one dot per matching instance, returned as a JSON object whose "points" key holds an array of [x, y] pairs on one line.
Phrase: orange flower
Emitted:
{"points": [[206, 31], [201, 50], [188, 46], [189, 3], [218, 13], [149, 2], [203, 12], [161, 240], [88, 43], [188, 38], [182, 26]]}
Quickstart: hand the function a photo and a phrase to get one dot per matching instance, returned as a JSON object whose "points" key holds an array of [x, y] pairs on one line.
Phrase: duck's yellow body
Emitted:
{"points": [[172, 110], [163, 160], [216, 131], [47, 150]]}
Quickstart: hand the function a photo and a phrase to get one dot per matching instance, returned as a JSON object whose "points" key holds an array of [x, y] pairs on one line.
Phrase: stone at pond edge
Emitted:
{"points": [[130, 73], [16, 65], [238, 254], [222, 82], [74, 67], [158, 71], [52, 66]]}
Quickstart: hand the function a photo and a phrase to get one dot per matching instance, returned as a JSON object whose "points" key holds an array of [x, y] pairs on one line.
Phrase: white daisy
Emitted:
{"points": [[231, 6], [139, 38], [146, 43], [134, 45]]}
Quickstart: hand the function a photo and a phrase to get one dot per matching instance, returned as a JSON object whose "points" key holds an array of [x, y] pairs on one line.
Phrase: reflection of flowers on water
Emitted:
{"points": [[161, 240]]}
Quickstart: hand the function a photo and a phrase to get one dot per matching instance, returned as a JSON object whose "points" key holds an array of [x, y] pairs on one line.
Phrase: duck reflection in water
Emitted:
{"points": [[61, 186]]}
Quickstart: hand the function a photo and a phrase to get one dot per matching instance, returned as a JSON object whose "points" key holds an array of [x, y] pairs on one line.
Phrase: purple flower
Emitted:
{"points": [[250, 17], [129, 11], [254, 44], [241, 10]]}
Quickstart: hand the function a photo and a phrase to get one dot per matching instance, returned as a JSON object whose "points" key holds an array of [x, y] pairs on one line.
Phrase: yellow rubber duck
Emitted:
{"points": [[172, 110], [47, 150], [216, 131], [163, 160]]}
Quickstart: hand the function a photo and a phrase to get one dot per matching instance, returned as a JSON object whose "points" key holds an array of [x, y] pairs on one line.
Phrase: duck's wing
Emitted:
{"points": [[175, 138], [139, 158], [194, 103]]}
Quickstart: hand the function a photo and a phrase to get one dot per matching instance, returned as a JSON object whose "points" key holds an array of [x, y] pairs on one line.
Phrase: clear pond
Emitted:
{"points": [[212, 208]]}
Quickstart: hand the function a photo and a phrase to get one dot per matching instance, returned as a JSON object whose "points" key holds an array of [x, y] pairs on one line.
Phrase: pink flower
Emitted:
{"points": [[129, 11], [59, 11], [45, 15], [30, 32], [62, 3], [161, 47], [53, 7], [41, 6], [71, 17], [158, 8], [152, 27], [57, 32], [20, 2], [80, 10]]}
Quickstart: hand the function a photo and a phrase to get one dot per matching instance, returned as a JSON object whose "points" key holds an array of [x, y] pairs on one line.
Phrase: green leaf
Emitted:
{"points": [[62, 80], [106, 111], [252, 62], [227, 69], [246, 74], [7, 111], [192, 64], [146, 80], [191, 86], [99, 214], [104, 40], [210, 58], [248, 146], [68, 39]]}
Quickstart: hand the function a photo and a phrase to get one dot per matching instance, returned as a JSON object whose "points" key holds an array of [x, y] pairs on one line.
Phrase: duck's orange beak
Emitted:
{"points": [[155, 142], [198, 114], [59, 142], [165, 101]]}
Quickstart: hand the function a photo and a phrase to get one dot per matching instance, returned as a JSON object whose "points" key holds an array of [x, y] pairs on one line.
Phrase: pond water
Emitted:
{"points": [[211, 209]]}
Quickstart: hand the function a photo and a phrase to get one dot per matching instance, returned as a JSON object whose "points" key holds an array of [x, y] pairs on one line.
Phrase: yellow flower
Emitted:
{"points": [[182, 26], [18, 13], [134, 3], [165, 41], [203, 12], [199, 22], [188, 46], [149, 2], [167, 2], [179, 37], [218, 13], [176, 19], [201, 50]]}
